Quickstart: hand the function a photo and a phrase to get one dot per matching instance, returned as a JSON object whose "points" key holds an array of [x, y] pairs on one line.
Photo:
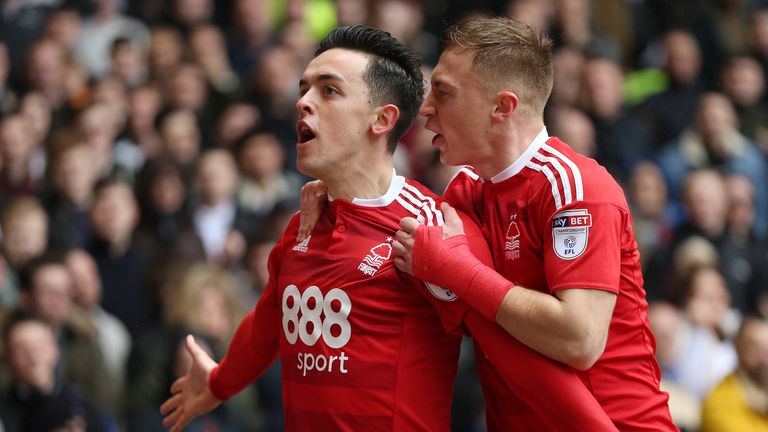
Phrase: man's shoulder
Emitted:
{"points": [[575, 177]]}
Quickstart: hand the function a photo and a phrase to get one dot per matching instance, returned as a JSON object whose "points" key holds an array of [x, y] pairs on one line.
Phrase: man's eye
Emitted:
{"points": [[330, 91]]}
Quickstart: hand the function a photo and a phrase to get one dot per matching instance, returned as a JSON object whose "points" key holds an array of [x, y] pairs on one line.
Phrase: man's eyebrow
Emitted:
{"points": [[440, 83], [322, 77]]}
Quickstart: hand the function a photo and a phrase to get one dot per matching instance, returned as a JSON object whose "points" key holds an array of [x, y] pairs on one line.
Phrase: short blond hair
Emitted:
{"points": [[507, 53]]}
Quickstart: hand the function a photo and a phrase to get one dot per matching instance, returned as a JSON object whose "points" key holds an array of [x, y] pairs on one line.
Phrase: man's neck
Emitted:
{"points": [[507, 145], [362, 181]]}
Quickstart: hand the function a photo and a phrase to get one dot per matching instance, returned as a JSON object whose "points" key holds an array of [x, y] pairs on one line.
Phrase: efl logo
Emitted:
{"points": [[570, 233]]}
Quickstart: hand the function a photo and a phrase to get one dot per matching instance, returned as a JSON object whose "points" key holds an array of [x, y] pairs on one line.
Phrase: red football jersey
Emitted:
{"points": [[361, 348], [556, 220]]}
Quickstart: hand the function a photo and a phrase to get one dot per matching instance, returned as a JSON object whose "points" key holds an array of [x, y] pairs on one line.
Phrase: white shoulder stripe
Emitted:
{"points": [[564, 180], [416, 213], [419, 205], [574, 170], [469, 173], [432, 205], [464, 170], [552, 181]]}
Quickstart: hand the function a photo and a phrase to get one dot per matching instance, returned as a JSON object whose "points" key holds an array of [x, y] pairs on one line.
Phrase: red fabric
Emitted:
{"points": [[395, 369], [526, 218], [450, 264]]}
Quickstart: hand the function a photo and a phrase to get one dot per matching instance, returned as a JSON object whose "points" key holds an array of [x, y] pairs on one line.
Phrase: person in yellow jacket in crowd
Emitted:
{"points": [[740, 401]]}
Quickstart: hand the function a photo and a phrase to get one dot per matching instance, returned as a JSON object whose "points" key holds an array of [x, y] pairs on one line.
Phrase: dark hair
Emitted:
{"points": [[28, 271], [507, 52], [393, 75], [15, 318]]}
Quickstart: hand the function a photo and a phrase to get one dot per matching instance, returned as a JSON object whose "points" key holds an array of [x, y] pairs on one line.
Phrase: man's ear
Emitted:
{"points": [[506, 105], [386, 118]]}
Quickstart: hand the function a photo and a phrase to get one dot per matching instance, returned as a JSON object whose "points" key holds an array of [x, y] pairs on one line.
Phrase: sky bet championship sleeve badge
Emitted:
{"points": [[570, 233]]}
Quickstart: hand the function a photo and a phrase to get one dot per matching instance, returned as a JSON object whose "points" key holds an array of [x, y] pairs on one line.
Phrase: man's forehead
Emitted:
{"points": [[338, 63], [452, 62]]}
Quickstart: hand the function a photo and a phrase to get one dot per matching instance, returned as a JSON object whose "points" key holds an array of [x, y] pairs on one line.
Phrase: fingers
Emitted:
{"points": [[178, 385], [171, 404], [313, 195], [409, 224], [449, 212], [453, 224], [173, 418], [404, 238], [399, 249], [403, 265], [180, 424]]}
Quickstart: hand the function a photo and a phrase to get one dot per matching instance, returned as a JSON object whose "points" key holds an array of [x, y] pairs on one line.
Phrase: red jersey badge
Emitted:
{"points": [[570, 233]]}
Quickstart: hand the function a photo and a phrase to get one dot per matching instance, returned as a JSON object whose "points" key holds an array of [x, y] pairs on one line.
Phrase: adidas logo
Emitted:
{"points": [[303, 246]]}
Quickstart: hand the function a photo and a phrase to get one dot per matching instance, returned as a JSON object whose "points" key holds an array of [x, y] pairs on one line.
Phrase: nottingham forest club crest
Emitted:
{"points": [[512, 242], [376, 257]]}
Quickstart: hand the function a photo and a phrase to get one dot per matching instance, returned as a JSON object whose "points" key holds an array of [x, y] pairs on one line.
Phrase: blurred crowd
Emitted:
{"points": [[147, 168]]}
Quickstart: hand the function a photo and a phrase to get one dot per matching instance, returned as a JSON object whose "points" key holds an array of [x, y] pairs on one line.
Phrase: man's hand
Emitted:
{"points": [[191, 395], [314, 198], [405, 238]]}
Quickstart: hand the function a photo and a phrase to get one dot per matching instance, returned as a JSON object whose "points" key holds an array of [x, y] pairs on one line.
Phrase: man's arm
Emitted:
{"points": [[571, 326], [253, 349]]}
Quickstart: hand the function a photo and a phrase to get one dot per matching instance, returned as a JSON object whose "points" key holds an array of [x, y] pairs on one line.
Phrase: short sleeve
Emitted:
{"points": [[582, 246]]}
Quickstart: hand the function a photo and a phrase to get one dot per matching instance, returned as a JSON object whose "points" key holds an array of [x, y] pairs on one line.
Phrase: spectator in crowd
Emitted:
{"points": [[34, 106], [73, 174], [187, 14], [181, 139], [47, 293], [187, 89], [715, 142], [166, 53], [738, 403], [63, 25], [651, 212], [144, 105], [112, 337], [100, 30], [265, 184], [568, 65], [46, 69], [744, 257], [744, 84], [209, 50], [123, 263], [38, 400], [7, 95], [673, 337], [622, 141], [128, 61], [575, 128], [99, 126], [165, 219], [25, 236], [219, 222], [235, 121], [670, 111], [17, 146]]}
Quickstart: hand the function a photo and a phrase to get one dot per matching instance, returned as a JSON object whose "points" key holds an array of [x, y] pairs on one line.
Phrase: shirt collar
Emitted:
{"points": [[395, 186], [523, 159]]}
